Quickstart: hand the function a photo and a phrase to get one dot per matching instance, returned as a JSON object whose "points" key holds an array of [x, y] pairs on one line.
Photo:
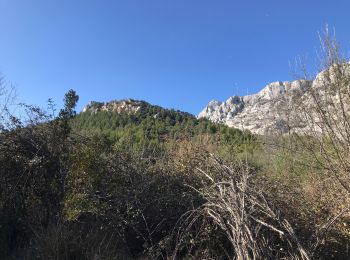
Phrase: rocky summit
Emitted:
{"points": [[125, 106]]}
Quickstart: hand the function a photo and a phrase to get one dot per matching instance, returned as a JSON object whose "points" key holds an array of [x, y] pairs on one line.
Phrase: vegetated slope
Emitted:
{"points": [[141, 123], [67, 195]]}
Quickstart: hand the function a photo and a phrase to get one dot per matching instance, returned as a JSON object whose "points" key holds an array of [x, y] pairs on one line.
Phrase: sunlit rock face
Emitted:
{"points": [[127, 106], [263, 113], [284, 107]]}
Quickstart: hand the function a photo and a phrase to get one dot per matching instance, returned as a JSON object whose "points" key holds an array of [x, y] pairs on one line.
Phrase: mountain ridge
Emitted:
{"points": [[260, 113], [284, 106]]}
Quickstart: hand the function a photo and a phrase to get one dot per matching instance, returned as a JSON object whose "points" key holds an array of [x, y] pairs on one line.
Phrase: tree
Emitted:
{"points": [[34, 154], [70, 102], [7, 98], [324, 113]]}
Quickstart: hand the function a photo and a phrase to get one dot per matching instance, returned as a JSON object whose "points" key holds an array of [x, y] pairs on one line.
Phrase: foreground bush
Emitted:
{"points": [[237, 207]]}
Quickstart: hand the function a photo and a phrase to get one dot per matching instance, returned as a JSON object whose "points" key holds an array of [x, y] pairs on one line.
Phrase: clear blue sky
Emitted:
{"points": [[174, 53]]}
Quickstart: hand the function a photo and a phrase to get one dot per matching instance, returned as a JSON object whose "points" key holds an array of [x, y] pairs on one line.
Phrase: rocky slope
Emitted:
{"points": [[126, 106], [263, 113], [297, 106]]}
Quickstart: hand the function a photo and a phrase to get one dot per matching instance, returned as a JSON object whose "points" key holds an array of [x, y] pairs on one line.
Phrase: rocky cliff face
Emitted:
{"points": [[297, 106], [127, 106], [266, 112]]}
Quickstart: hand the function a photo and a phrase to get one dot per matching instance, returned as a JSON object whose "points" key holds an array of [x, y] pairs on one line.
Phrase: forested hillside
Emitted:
{"points": [[153, 127], [130, 180], [103, 183], [157, 184]]}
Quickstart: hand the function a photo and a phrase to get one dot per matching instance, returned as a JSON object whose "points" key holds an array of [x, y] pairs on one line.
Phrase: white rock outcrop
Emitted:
{"points": [[263, 113], [127, 106], [295, 106]]}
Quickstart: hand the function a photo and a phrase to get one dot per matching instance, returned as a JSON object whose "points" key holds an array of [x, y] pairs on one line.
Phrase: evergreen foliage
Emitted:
{"points": [[152, 126]]}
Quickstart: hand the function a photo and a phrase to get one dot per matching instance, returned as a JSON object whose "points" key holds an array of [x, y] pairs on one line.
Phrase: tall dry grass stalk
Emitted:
{"points": [[235, 205]]}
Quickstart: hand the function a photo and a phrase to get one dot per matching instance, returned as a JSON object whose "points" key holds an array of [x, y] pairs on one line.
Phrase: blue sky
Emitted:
{"points": [[177, 54]]}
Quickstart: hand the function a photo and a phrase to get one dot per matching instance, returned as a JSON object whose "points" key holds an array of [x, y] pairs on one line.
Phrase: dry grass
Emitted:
{"points": [[234, 204]]}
